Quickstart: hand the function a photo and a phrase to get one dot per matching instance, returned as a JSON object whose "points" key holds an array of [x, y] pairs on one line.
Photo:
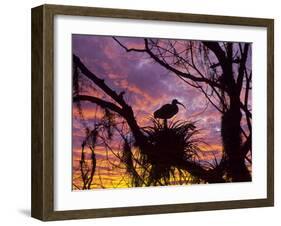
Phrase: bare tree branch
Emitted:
{"points": [[128, 49], [101, 103], [217, 50], [177, 72], [242, 65], [99, 82]]}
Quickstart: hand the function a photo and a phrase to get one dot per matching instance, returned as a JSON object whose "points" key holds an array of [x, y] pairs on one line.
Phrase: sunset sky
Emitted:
{"points": [[147, 87]]}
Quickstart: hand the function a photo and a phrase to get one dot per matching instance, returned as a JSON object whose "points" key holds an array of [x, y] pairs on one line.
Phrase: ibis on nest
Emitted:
{"points": [[167, 111]]}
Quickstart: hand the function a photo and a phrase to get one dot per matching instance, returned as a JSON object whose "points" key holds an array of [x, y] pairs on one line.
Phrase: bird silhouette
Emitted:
{"points": [[167, 111]]}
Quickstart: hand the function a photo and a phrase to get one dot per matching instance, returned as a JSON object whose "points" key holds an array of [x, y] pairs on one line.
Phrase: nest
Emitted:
{"points": [[169, 146]]}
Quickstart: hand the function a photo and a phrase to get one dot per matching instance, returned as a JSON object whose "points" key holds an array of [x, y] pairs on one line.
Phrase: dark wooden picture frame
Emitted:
{"points": [[43, 109]]}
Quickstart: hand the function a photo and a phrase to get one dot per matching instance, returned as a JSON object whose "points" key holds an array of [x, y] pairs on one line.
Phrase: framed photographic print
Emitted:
{"points": [[140, 112]]}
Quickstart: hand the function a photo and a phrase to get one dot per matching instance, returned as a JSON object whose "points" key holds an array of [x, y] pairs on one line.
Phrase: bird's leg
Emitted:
{"points": [[165, 123]]}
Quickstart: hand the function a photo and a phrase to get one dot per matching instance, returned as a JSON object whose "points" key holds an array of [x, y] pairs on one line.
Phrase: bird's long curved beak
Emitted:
{"points": [[181, 104]]}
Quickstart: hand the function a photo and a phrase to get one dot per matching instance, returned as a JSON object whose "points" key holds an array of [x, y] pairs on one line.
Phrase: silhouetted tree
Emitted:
{"points": [[222, 72], [145, 166]]}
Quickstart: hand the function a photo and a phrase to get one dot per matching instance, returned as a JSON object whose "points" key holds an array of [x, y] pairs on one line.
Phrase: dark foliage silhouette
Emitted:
{"points": [[170, 147]]}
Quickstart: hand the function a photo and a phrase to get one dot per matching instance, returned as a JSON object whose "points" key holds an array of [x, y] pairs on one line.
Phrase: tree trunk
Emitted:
{"points": [[231, 137]]}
